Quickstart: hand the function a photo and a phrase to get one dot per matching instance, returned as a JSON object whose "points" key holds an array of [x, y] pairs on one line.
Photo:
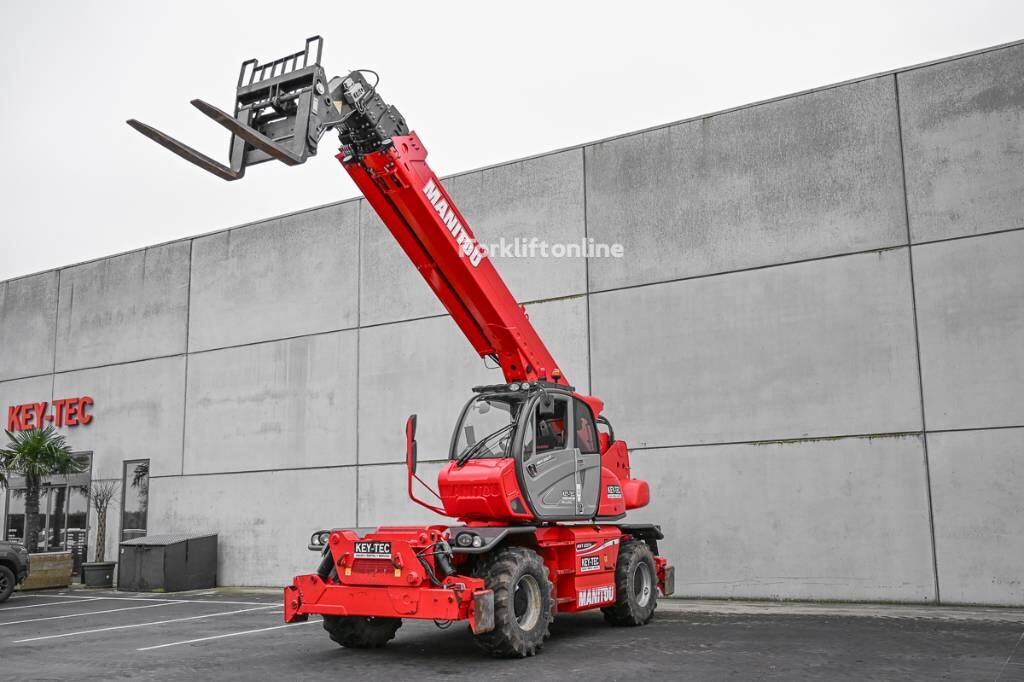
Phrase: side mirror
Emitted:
{"points": [[410, 444]]}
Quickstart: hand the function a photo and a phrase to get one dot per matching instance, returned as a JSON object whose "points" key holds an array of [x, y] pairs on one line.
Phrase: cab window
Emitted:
{"points": [[586, 432], [551, 422]]}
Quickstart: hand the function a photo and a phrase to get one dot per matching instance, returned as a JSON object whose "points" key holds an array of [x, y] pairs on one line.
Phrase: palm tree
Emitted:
{"points": [[35, 454]]}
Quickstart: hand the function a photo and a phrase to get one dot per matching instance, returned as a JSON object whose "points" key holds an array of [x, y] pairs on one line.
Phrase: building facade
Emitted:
{"points": [[813, 343]]}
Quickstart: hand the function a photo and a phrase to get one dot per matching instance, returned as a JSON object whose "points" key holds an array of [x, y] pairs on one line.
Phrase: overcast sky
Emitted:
{"points": [[481, 82]]}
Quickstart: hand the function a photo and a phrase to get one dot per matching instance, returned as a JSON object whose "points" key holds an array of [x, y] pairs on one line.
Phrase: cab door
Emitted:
{"points": [[562, 481]]}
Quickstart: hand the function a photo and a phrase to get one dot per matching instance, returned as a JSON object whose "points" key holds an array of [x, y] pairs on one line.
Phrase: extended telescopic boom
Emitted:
{"points": [[283, 108]]}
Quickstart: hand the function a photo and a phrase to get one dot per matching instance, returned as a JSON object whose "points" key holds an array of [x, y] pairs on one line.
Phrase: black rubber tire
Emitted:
{"points": [[361, 632], [636, 596], [6, 583], [503, 572]]}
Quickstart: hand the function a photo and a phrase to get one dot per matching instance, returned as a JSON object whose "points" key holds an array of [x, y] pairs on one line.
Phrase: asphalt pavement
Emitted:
{"points": [[229, 634]]}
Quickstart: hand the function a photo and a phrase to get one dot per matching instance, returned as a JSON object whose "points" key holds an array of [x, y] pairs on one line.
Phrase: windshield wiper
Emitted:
{"points": [[476, 447]]}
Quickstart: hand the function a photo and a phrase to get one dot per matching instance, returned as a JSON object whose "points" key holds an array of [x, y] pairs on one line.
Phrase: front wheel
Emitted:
{"points": [[361, 632], [6, 583], [524, 603], [636, 586]]}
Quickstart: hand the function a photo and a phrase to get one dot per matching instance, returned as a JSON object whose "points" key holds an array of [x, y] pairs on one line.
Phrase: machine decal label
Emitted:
{"points": [[614, 492], [596, 595], [568, 497], [463, 241], [372, 550], [590, 563], [591, 548]]}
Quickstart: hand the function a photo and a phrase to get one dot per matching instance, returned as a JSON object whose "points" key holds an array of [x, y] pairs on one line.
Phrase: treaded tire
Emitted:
{"points": [[6, 583], [517, 574], [361, 632], [636, 596]]}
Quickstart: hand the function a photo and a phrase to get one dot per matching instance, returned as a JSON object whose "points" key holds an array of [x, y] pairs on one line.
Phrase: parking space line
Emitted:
{"points": [[174, 601], [142, 625], [86, 613], [230, 634], [52, 603]]}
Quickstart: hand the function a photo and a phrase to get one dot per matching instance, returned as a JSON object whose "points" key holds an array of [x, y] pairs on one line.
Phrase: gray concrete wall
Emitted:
{"points": [[814, 345]]}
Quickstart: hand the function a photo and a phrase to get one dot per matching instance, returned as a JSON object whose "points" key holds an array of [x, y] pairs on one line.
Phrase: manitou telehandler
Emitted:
{"points": [[536, 479]]}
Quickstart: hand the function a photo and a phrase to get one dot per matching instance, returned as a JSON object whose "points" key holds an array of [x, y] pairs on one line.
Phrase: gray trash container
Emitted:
{"points": [[167, 563]]}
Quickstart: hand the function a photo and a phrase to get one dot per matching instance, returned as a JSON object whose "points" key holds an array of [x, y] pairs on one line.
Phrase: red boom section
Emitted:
{"points": [[418, 211]]}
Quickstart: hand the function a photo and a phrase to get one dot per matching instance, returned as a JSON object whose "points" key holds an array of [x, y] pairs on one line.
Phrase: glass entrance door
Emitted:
{"points": [[53, 512]]}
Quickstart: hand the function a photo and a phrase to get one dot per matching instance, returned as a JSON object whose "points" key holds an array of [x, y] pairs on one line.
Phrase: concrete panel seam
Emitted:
{"points": [[977, 428], [925, 242], [781, 441], [586, 277], [56, 325], [104, 365], [359, 316], [917, 340], [326, 467], [188, 335], [752, 268], [247, 344]]}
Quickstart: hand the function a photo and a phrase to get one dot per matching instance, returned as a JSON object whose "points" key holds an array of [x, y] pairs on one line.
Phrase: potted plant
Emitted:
{"points": [[34, 455], [100, 573]]}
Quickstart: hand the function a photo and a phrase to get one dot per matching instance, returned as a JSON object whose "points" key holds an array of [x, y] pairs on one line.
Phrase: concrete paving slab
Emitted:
{"points": [[134, 398], [426, 367], [285, 505], [970, 316], [797, 178], [540, 197], [826, 519], [28, 325], [128, 307], [815, 349], [963, 120], [423, 367], [273, 405], [23, 391], [383, 498], [286, 277], [977, 479]]}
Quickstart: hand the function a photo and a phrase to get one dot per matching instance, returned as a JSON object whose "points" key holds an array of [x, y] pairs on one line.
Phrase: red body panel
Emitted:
{"points": [[482, 490], [580, 560]]}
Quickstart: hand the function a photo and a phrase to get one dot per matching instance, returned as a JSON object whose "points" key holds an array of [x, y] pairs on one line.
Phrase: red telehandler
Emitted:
{"points": [[536, 481]]}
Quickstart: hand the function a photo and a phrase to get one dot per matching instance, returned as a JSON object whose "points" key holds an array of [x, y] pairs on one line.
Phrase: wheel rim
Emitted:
{"points": [[643, 584], [526, 602], [3, 583]]}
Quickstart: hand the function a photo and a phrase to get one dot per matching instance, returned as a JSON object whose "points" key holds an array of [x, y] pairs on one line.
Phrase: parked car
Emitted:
{"points": [[14, 566]]}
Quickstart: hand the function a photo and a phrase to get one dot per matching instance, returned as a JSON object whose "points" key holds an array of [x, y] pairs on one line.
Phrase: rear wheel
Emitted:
{"points": [[524, 602], [636, 586], [6, 583], [361, 632]]}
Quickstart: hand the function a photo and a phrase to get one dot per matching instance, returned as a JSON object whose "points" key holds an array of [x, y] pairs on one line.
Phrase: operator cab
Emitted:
{"points": [[549, 433]]}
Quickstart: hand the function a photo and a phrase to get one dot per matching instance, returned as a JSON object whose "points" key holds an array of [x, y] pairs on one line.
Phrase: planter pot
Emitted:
{"points": [[98, 573]]}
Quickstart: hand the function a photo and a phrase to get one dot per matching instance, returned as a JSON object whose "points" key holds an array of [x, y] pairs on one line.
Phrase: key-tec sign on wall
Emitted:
{"points": [[63, 412]]}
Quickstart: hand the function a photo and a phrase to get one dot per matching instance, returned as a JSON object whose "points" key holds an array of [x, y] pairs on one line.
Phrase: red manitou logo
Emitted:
{"points": [[595, 595], [463, 241], [62, 412]]}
